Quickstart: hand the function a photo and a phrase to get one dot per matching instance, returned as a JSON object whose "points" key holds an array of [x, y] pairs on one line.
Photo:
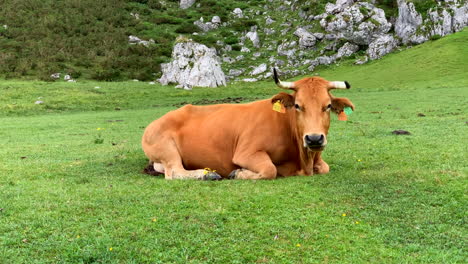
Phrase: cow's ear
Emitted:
{"points": [[339, 103], [286, 99]]}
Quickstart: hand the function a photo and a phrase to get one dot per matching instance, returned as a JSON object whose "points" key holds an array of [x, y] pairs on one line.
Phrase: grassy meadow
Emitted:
{"points": [[72, 191]]}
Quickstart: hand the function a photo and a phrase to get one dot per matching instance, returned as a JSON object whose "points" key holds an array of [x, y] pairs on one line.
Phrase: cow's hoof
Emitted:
{"points": [[233, 174], [212, 176]]}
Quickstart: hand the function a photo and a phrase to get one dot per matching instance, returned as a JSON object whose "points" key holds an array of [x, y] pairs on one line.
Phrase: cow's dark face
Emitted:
{"points": [[312, 104]]}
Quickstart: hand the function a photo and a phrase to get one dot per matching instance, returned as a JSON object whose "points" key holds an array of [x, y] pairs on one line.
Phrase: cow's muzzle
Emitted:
{"points": [[315, 142]]}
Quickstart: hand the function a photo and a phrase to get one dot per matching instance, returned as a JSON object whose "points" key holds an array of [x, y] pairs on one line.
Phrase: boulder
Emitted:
{"points": [[253, 36], [216, 20], [258, 70], [306, 39], [184, 4], [269, 21], [238, 13], [381, 46], [235, 73], [347, 50], [245, 49], [134, 40], [407, 23], [55, 75], [193, 64], [460, 16]]}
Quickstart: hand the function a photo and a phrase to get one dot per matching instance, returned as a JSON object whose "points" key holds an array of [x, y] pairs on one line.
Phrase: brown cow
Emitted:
{"points": [[247, 141]]}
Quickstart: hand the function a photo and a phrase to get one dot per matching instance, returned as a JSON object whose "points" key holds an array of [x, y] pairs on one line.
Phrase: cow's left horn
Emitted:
{"points": [[284, 85], [339, 85]]}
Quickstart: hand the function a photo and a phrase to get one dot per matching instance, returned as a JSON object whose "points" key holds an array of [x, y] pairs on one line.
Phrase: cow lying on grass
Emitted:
{"points": [[281, 136]]}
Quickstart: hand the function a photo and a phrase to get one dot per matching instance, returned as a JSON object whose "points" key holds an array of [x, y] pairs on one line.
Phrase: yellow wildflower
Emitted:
{"points": [[343, 214], [110, 249], [298, 245]]}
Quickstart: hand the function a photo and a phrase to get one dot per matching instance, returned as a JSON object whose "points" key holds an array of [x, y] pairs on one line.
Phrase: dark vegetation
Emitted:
{"points": [[89, 39]]}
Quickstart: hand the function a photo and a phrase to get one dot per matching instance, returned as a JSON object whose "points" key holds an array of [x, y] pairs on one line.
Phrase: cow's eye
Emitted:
{"points": [[329, 106], [297, 107]]}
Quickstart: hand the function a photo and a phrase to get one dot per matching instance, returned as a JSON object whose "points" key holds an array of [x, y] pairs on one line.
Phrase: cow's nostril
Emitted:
{"points": [[314, 140]]}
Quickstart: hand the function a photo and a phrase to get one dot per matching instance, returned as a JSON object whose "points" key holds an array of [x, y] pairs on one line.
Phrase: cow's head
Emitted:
{"points": [[313, 103]]}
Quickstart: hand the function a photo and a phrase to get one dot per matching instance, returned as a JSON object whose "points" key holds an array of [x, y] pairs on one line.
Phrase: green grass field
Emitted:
{"points": [[72, 191]]}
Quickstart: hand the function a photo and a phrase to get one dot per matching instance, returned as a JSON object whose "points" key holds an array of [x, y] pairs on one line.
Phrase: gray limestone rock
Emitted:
{"points": [[460, 16], [238, 13], [184, 4], [253, 36], [216, 20], [193, 64], [347, 50], [55, 75], [306, 39], [381, 46], [258, 70], [269, 21], [235, 73], [205, 26], [407, 23], [362, 60], [359, 22]]}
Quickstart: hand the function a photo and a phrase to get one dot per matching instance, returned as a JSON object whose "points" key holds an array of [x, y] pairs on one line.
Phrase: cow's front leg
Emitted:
{"points": [[255, 166], [320, 166]]}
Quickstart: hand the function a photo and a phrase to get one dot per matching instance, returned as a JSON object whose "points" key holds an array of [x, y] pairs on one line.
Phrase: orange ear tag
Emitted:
{"points": [[279, 107], [342, 116]]}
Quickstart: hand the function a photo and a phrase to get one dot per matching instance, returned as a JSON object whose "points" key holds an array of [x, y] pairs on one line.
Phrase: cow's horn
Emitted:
{"points": [[284, 85], [340, 85]]}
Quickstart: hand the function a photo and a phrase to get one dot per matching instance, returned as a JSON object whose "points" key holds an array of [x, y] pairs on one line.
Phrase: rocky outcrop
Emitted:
{"points": [[193, 64], [381, 46], [448, 17], [407, 23], [184, 4], [358, 23], [306, 39]]}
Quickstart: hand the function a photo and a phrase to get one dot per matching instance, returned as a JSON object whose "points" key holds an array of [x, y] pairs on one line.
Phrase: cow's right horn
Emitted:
{"points": [[284, 85]]}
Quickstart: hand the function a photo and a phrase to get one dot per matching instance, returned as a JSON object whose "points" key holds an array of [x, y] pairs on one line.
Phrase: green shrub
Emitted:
{"points": [[187, 28], [436, 37], [107, 75]]}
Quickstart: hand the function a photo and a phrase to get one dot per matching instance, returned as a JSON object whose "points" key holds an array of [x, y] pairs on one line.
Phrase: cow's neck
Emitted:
{"points": [[306, 156]]}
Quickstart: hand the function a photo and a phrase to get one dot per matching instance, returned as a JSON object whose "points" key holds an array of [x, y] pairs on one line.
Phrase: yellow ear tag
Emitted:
{"points": [[279, 107], [342, 116]]}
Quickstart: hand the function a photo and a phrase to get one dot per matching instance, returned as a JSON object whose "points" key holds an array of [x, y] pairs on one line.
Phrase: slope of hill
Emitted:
{"points": [[90, 39], [435, 64]]}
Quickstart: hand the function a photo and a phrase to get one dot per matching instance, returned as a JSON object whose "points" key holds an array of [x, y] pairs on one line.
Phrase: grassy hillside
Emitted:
{"points": [[71, 190], [89, 39], [435, 64]]}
